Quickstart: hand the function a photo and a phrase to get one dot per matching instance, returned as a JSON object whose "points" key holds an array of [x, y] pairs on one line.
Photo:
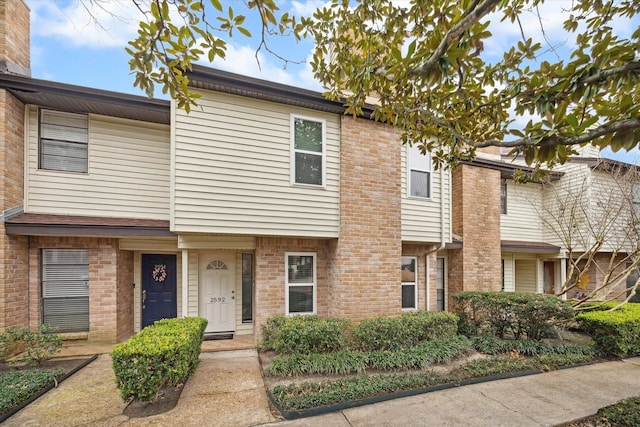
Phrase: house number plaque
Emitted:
{"points": [[218, 299]]}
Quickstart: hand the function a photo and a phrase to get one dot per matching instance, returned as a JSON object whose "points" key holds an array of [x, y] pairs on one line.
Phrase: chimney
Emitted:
{"points": [[15, 38]]}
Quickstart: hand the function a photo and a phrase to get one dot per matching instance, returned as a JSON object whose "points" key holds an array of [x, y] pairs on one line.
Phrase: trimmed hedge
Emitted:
{"points": [[164, 353], [510, 313], [304, 334], [312, 334], [407, 330], [614, 332]]}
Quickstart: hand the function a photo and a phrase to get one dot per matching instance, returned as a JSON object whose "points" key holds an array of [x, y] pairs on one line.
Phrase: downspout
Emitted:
{"points": [[442, 243]]}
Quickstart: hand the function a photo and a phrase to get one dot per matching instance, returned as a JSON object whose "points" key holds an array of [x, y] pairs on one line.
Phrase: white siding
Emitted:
{"points": [[421, 218], [128, 172], [523, 220], [508, 273], [193, 283], [232, 171]]}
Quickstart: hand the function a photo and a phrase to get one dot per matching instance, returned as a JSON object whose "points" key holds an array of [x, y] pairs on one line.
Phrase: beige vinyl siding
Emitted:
{"points": [[421, 218], [575, 181], [525, 275], [509, 272], [128, 172], [233, 176], [523, 220], [193, 283]]}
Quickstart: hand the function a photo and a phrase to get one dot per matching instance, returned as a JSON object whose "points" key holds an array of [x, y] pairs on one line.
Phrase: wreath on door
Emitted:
{"points": [[159, 273]]}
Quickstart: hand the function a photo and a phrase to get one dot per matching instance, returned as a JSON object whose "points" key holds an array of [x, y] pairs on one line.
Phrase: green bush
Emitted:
{"points": [[18, 386], [510, 313], [624, 413], [614, 332], [35, 346], [304, 334], [489, 344], [394, 333], [348, 362], [165, 353]]}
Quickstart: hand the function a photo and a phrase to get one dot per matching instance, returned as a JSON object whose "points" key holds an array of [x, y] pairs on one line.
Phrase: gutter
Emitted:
{"points": [[442, 243]]}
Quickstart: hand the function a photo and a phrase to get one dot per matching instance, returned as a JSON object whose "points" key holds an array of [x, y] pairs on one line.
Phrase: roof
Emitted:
{"points": [[507, 170], [62, 225], [529, 247], [80, 99], [604, 163], [236, 84]]}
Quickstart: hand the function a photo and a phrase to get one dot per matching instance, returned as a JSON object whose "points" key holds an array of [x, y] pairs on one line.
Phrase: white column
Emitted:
{"points": [[185, 283]]}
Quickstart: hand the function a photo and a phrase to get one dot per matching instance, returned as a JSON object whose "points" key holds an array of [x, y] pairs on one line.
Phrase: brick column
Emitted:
{"points": [[476, 218], [365, 261]]}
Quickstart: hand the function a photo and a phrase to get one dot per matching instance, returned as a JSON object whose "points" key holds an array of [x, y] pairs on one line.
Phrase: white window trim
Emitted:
{"points": [[411, 166], [444, 282], [503, 185], [39, 141], [288, 285], [292, 155], [414, 283]]}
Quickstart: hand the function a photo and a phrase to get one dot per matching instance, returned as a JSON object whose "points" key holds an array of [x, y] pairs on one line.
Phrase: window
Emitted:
{"points": [[65, 289], [409, 282], [632, 278], [307, 156], [247, 288], [301, 283], [440, 284], [63, 141], [635, 198], [503, 196], [419, 172]]}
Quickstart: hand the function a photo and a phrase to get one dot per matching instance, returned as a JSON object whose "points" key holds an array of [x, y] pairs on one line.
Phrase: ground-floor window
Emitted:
{"points": [[631, 282], [247, 288], [65, 289], [440, 284], [300, 283], [409, 271]]}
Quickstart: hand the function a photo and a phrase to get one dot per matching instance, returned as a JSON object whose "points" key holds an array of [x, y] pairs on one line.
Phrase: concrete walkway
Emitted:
{"points": [[227, 390]]}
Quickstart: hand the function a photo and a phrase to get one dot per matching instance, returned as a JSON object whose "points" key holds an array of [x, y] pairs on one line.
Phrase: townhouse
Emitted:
{"points": [[118, 210]]}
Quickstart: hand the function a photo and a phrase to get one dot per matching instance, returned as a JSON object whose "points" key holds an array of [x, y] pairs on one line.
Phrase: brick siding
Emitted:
{"points": [[15, 33]]}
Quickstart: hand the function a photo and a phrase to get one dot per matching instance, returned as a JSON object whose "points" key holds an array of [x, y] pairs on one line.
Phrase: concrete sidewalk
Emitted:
{"points": [[227, 390], [544, 399]]}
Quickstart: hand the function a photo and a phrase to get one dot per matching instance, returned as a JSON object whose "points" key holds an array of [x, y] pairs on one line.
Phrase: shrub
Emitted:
{"points": [[489, 344], [624, 413], [503, 313], [18, 386], [165, 353], [614, 332], [304, 334], [346, 361], [36, 346], [394, 333]]}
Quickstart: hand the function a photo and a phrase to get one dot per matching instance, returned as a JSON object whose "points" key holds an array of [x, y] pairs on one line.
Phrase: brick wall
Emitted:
{"points": [[124, 300], [13, 249], [476, 218], [15, 34], [270, 275], [110, 290], [365, 270]]}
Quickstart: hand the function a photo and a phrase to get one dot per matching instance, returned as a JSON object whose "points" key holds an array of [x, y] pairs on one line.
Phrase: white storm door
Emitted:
{"points": [[217, 296]]}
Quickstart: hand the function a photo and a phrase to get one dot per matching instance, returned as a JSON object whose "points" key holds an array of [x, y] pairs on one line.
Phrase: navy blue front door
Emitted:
{"points": [[158, 288]]}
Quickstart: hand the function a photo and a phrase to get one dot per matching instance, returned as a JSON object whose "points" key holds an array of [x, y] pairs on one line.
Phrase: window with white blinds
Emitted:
{"points": [[64, 141], [65, 289]]}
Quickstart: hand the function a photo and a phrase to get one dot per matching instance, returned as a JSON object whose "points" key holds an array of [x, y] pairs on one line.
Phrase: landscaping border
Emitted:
{"points": [[44, 390], [321, 410]]}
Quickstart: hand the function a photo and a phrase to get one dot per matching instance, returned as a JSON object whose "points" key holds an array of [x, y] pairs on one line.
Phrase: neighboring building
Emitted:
{"points": [[118, 210]]}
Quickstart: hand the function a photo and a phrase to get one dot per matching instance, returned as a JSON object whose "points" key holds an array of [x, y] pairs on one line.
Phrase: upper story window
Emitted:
{"points": [[635, 198], [503, 196], [64, 141], [419, 172], [308, 151]]}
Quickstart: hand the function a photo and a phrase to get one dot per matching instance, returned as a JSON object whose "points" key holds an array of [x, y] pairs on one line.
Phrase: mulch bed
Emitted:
{"points": [[166, 400]]}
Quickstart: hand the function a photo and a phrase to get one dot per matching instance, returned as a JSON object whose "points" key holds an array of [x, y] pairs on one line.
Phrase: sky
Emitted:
{"points": [[69, 45]]}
